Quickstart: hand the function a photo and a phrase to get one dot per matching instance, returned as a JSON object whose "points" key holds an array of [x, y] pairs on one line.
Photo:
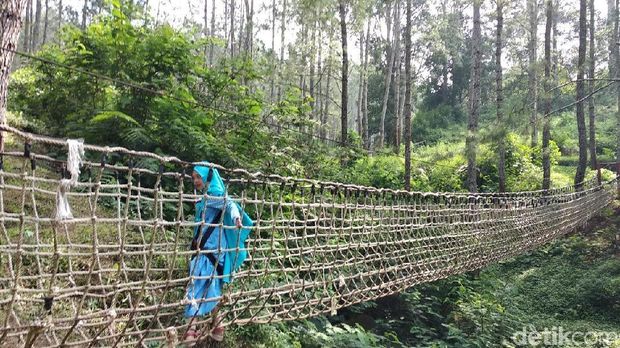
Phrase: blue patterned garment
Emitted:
{"points": [[209, 285]]}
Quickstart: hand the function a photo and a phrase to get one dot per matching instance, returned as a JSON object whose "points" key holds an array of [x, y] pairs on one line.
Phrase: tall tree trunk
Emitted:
{"points": [[27, 24], [60, 9], [407, 110], [397, 101], [302, 73], [273, 50], [232, 28], [611, 10], [249, 28], [474, 105], [445, 62], [581, 122], [396, 79], [205, 26], [388, 75], [31, 26], [226, 34], [327, 97], [554, 43], [240, 37], [282, 44], [37, 25], [344, 99], [365, 138], [212, 46], [84, 9], [319, 95], [546, 154], [360, 92], [501, 165], [591, 115], [401, 102], [45, 22], [532, 9], [616, 54], [11, 23]]}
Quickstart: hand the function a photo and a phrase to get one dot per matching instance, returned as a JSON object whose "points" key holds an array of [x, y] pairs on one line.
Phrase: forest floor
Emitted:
{"points": [[569, 287]]}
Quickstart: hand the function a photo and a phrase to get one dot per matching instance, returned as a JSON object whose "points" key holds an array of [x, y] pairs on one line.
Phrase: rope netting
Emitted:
{"points": [[99, 254]]}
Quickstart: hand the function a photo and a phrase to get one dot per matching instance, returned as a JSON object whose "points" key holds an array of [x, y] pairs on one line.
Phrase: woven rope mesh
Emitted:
{"points": [[116, 274]]}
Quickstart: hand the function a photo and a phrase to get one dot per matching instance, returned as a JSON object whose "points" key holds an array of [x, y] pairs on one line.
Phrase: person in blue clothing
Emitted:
{"points": [[222, 250]]}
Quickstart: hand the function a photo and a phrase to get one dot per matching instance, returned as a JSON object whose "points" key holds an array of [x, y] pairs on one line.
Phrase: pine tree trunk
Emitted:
{"points": [[37, 25], [581, 122], [396, 79], [407, 110], [326, 99], [31, 21], [554, 43], [591, 115], [397, 101], [319, 92], [240, 37], [11, 22], [365, 138], [401, 102], [611, 10], [616, 54], [84, 9], [344, 99], [45, 22], [205, 31], [211, 46], [60, 9], [226, 34], [232, 28], [26, 31], [302, 76], [249, 28], [360, 92], [474, 109], [546, 137], [532, 9], [388, 75], [501, 164], [312, 69], [282, 44], [273, 51]]}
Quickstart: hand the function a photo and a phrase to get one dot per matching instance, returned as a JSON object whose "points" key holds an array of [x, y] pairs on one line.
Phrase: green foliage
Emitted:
{"points": [[441, 123], [311, 333], [195, 113], [378, 171]]}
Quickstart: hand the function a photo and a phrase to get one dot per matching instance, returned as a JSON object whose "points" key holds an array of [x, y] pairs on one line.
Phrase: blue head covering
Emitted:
{"points": [[216, 188], [235, 238]]}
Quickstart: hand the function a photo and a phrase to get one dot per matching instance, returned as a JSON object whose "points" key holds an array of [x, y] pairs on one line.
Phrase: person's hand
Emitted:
{"points": [[238, 222]]}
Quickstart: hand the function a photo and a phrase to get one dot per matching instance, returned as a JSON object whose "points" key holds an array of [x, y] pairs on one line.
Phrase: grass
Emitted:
{"points": [[573, 283]]}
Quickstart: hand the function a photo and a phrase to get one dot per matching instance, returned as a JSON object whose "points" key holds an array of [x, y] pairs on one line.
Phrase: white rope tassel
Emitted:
{"points": [[74, 161]]}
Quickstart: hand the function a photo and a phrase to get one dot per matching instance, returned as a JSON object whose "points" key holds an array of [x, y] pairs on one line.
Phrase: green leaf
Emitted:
{"points": [[106, 116]]}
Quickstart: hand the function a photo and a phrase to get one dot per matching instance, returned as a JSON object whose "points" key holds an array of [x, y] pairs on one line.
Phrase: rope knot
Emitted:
{"points": [[111, 314]]}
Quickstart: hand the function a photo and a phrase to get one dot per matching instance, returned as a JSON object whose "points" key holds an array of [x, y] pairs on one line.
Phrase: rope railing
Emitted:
{"points": [[115, 272]]}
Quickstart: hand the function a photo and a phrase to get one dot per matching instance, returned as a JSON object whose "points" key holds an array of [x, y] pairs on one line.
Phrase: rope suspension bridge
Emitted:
{"points": [[98, 255]]}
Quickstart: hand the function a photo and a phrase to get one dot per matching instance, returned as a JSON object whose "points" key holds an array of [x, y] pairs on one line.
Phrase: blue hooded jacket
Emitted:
{"points": [[235, 238]]}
